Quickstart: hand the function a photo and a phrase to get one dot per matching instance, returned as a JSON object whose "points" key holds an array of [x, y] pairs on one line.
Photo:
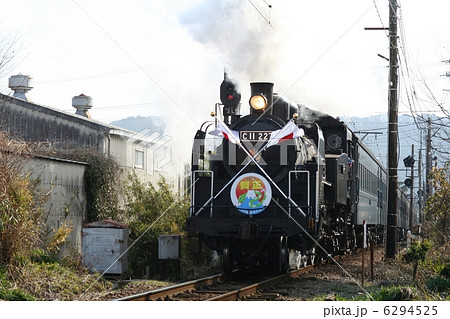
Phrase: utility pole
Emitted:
{"points": [[429, 164], [420, 181], [411, 206], [392, 133]]}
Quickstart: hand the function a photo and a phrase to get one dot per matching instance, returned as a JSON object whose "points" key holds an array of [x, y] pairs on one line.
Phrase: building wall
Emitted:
{"points": [[63, 181], [36, 123], [118, 149], [148, 160]]}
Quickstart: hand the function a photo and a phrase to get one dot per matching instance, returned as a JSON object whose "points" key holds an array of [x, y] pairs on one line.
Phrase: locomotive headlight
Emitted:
{"points": [[258, 102]]}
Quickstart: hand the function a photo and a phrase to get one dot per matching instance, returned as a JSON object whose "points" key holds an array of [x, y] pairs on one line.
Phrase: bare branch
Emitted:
{"points": [[9, 46]]}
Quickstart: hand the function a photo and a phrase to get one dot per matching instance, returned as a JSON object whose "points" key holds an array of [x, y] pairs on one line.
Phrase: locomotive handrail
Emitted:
{"points": [[307, 184], [193, 191]]}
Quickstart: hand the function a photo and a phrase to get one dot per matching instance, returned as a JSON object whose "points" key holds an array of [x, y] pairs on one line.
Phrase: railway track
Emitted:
{"points": [[216, 288]]}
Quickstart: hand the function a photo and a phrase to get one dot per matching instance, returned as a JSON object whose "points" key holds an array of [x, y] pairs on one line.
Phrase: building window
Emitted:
{"points": [[139, 159]]}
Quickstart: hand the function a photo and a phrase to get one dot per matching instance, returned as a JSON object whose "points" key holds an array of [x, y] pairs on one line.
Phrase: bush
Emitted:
{"points": [[416, 253], [20, 214], [395, 293], [40, 256], [445, 272], [49, 278], [14, 295], [102, 179], [6, 293], [152, 211], [438, 284]]}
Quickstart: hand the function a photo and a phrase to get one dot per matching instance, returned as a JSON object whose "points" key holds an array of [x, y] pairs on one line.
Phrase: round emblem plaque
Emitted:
{"points": [[251, 193]]}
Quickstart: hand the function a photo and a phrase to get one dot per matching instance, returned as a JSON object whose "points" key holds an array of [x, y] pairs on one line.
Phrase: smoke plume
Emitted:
{"points": [[246, 43]]}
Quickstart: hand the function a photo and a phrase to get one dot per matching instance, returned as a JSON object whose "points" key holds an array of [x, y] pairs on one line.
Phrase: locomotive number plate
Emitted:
{"points": [[254, 136]]}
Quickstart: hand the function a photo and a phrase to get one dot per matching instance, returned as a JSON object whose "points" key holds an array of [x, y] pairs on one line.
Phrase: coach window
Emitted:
{"points": [[139, 159]]}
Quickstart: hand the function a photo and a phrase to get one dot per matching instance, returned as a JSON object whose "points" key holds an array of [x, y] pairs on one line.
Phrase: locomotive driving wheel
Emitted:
{"points": [[226, 257], [283, 255], [312, 256]]}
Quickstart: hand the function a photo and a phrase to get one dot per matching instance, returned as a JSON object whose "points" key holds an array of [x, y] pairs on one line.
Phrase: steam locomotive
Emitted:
{"points": [[284, 185]]}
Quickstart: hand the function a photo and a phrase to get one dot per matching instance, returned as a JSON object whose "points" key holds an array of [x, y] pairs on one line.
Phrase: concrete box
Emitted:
{"points": [[169, 246]]}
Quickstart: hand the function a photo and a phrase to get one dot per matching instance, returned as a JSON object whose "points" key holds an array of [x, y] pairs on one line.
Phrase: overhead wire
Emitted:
{"points": [[379, 17], [261, 14], [138, 238], [114, 107], [328, 49], [316, 61], [410, 90], [180, 107], [406, 75], [136, 63], [163, 90], [92, 76]]}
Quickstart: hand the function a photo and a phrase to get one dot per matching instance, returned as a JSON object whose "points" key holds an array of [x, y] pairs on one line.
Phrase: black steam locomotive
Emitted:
{"points": [[284, 185]]}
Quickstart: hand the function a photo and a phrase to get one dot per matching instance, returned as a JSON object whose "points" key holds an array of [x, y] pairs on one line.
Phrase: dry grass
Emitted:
{"points": [[20, 214], [330, 281], [53, 281]]}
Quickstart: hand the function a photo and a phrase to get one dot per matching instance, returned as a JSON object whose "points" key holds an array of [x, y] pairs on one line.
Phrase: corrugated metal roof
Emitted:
{"points": [[68, 116]]}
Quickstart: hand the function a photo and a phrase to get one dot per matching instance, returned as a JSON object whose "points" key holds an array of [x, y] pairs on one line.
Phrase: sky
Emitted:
{"points": [[167, 57]]}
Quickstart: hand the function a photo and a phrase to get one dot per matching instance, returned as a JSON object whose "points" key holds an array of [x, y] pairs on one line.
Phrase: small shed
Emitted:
{"points": [[103, 247]]}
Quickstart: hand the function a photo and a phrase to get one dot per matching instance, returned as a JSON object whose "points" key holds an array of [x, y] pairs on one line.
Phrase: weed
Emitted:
{"points": [[438, 284], [40, 256], [395, 293], [445, 272], [9, 294]]}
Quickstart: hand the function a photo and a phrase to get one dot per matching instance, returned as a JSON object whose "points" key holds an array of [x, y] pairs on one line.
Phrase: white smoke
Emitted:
{"points": [[246, 43], [308, 50]]}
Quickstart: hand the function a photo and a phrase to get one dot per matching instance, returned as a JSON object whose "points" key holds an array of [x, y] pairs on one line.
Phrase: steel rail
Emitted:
{"points": [[232, 295], [167, 291], [250, 290]]}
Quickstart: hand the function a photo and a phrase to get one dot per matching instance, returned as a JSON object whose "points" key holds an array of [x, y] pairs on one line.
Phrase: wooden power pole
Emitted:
{"points": [[420, 181], [411, 206], [429, 164], [392, 133]]}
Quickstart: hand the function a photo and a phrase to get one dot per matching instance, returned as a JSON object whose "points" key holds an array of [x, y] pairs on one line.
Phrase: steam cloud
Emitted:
{"points": [[247, 44]]}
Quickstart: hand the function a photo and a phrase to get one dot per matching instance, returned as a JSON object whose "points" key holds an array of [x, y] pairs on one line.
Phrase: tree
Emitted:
{"points": [[9, 45], [153, 210], [437, 208]]}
